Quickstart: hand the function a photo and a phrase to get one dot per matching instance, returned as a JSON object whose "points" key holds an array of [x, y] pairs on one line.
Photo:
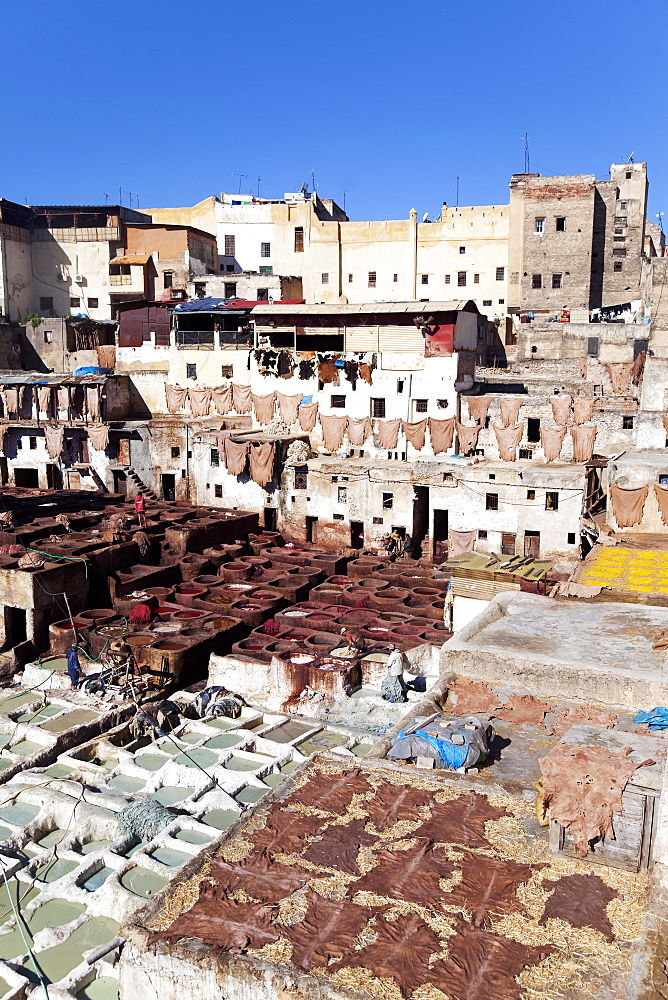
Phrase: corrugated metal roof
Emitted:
{"points": [[482, 563], [355, 308], [53, 379], [132, 258]]}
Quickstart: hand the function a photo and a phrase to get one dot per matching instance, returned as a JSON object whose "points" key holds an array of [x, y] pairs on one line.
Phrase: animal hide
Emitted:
{"points": [[77, 400], [507, 439], [523, 708], [411, 875], [93, 402], [661, 495], [106, 355], [264, 407], [583, 436], [308, 414], [328, 372], [98, 435], [333, 794], [488, 887], [552, 440], [359, 429], [328, 930], [394, 803], [13, 399], [414, 433], [581, 901], [583, 410], [461, 820], [339, 846], [561, 409], [628, 505], [222, 399], [222, 923], [44, 399], [468, 438], [460, 541], [478, 407], [510, 409], [365, 373], [174, 394], [582, 788], [581, 717], [54, 439], [638, 368], [235, 455], [258, 875], [471, 697], [241, 398], [63, 395], [200, 401], [620, 377], [441, 433], [288, 407], [333, 430], [261, 461], [388, 434], [285, 831]]}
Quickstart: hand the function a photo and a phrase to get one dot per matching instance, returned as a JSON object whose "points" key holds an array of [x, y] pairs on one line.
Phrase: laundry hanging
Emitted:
{"points": [[63, 396], [288, 407], [261, 461], [552, 440], [235, 454], [44, 399], [441, 433], [333, 429], [13, 399], [222, 399], [98, 435], [468, 437], [241, 398], [174, 394], [583, 436], [583, 409], [414, 433], [620, 377], [509, 408], [106, 355], [661, 495], [93, 402], [54, 436], [460, 541], [200, 401], [388, 433], [308, 414], [478, 407], [627, 505], [264, 407], [359, 429], [561, 408], [508, 438]]}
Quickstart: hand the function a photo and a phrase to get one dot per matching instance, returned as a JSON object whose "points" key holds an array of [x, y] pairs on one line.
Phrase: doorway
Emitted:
{"points": [[54, 477], [420, 517], [532, 544], [440, 532], [507, 543], [168, 486], [15, 626], [311, 530], [4, 475], [120, 482], [270, 518], [356, 534], [26, 478]]}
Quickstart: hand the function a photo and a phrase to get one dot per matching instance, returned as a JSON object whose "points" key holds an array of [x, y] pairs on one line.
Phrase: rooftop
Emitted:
{"points": [[353, 309]]}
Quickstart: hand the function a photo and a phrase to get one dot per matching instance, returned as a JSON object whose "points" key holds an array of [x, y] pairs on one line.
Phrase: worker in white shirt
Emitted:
{"points": [[393, 688]]}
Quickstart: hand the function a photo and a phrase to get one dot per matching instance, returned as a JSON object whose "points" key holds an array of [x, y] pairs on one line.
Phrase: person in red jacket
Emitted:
{"points": [[140, 510]]}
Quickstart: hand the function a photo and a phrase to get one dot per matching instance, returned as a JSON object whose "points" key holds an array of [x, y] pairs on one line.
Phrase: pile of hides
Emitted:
{"points": [[452, 743]]}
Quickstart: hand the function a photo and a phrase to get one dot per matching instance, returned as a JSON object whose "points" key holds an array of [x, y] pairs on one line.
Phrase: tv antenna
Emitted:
{"points": [[240, 176], [527, 165], [659, 216], [258, 185], [106, 196], [630, 159]]}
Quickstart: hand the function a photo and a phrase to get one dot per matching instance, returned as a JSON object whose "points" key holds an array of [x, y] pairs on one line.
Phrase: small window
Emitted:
{"points": [[46, 304], [377, 520], [526, 453], [93, 304], [623, 206], [425, 279], [663, 480], [388, 501], [627, 423], [301, 478], [400, 385], [299, 239], [628, 175], [421, 405], [461, 279], [338, 517], [447, 279], [448, 477], [342, 494], [619, 251], [536, 281], [227, 371], [482, 534], [539, 226], [492, 475], [462, 249], [262, 294], [571, 538], [551, 501], [531, 494], [395, 277], [218, 490], [75, 302], [372, 279], [266, 268], [486, 302], [618, 266], [492, 501], [48, 337], [191, 371], [338, 402], [350, 278], [556, 281], [215, 458], [33, 442], [441, 404], [324, 277], [229, 268], [476, 279], [560, 224], [230, 289], [230, 246], [200, 289], [533, 429], [167, 279], [176, 452], [500, 273], [592, 347], [502, 302], [19, 442], [265, 249], [378, 408]]}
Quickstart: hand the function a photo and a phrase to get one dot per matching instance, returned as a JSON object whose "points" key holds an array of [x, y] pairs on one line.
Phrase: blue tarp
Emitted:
{"points": [[656, 718], [205, 304], [452, 756], [91, 370]]}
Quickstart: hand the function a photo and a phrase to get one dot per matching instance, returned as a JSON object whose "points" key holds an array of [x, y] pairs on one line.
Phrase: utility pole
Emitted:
{"points": [[527, 166], [258, 186]]}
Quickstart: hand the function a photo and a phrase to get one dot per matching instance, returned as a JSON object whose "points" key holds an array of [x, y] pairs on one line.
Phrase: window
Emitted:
{"points": [[462, 249], [324, 277], [492, 475], [592, 347], [215, 458], [619, 251], [167, 279], [230, 246], [92, 303], [619, 239], [32, 441], [299, 239], [560, 224], [230, 289], [663, 480], [229, 268], [627, 423], [378, 408], [227, 371], [447, 279], [556, 281], [441, 404], [377, 520], [75, 302], [388, 501], [492, 501], [342, 494], [621, 220], [265, 249], [425, 279], [617, 266], [191, 371], [539, 226], [420, 405], [461, 279], [395, 277], [500, 273], [487, 302], [628, 175], [482, 533], [350, 277], [176, 452], [531, 494], [622, 206], [218, 490], [571, 538], [536, 281], [266, 268], [533, 429], [400, 385], [476, 279], [46, 304], [19, 442], [200, 289], [301, 477], [338, 402], [551, 501], [372, 279], [338, 517], [262, 294], [526, 453], [502, 302]]}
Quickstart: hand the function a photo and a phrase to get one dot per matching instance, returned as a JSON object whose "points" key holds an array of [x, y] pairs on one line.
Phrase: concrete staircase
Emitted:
{"points": [[141, 486]]}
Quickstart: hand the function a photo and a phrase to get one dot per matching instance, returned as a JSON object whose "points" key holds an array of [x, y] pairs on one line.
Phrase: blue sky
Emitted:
{"points": [[387, 102]]}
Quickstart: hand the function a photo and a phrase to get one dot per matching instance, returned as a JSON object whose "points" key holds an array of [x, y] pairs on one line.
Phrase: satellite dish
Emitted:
{"points": [[425, 217]]}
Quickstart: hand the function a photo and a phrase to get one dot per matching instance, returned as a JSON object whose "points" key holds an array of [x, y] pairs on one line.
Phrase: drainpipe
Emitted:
{"points": [[413, 241]]}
